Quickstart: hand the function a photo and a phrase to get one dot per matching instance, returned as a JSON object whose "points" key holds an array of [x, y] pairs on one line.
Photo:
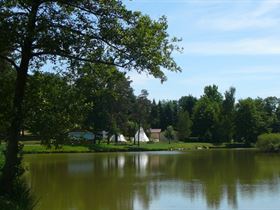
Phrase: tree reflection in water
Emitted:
{"points": [[130, 181]]}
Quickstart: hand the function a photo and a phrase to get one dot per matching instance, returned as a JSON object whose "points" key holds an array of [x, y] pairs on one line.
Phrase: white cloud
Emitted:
{"points": [[265, 7], [264, 46], [255, 70], [233, 76], [230, 24], [223, 80], [246, 85], [262, 16]]}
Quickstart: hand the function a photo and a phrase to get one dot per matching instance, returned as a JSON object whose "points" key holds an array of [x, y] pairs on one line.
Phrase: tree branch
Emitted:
{"points": [[92, 36], [65, 55], [10, 61]]}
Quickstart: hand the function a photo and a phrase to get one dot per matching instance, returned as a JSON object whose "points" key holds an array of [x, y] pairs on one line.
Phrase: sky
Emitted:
{"points": [[226, 42]]}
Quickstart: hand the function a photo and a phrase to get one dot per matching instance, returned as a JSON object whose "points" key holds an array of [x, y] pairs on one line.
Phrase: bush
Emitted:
{"points": [[20, 199], [2, 158], [269, 142]]}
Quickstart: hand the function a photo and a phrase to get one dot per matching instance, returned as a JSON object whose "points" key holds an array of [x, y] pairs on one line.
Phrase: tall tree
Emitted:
{"points": [[248, 121], [154, 115], [53, 106], [175, 111], [212, 93], [227, 117], [207, 115], [142, 110], [184, 125], [161, 115], [40, 30], [205, 119], [276, 124], [270, 106], [187, 103], [110, 94], [266, 117], [168, 113]]}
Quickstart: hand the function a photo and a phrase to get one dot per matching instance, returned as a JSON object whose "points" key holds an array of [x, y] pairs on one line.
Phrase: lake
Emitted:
{"points": [[195, 180]]}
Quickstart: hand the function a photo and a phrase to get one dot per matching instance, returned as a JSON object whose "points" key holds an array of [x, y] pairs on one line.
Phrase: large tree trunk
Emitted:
{"points": [[12, 159], [12, 162]]}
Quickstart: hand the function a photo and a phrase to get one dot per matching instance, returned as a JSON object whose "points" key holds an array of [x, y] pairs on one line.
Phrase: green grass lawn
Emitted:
{"points": [[37, 148], [103, 147], [177, 146]]}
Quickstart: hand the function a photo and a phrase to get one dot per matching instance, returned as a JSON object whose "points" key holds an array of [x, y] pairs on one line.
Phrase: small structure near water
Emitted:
{"points": [[81, 135], [141, 136], [155, 134]]}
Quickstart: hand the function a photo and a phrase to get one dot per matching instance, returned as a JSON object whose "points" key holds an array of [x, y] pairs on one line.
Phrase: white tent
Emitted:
{"points": [[120, 138], [142, 136]]}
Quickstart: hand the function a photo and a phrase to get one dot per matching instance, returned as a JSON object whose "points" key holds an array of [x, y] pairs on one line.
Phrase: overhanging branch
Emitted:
{"points": [[65, 55], [10, 61]]}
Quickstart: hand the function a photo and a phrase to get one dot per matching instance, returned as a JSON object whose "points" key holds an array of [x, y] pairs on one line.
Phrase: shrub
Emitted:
{"points": [[2, 158], [269, 142], [20, 199]]}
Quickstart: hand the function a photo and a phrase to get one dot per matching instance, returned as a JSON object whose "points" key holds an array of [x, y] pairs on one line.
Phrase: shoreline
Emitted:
{"points": [[104, 148], [108, 148]]}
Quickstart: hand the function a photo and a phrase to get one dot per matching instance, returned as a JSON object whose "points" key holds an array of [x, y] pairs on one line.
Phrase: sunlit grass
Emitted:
{"points": [[112, 147], [37, 148], [150, 146]]}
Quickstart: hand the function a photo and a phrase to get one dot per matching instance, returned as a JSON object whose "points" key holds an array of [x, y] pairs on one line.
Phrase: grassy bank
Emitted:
{"points": [[104, 147], [150, 147], [35, 147]]}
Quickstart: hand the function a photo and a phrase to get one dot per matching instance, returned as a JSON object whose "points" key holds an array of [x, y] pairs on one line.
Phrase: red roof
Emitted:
{"points": [[157, 130]]}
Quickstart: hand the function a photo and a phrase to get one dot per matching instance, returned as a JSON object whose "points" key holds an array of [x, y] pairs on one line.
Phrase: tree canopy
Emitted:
{"points": [[85, 31]]}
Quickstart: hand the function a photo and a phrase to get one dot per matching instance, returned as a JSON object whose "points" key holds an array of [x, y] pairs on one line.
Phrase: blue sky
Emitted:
{"points": [[226, 42]]}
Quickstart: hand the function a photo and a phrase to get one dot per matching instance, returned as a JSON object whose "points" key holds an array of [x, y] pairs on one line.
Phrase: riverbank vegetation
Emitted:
{"points": [[212, 118], [269, 142]]}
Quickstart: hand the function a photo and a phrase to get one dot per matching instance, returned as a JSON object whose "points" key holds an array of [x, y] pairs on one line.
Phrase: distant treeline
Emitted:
{"points": [[99, 97], [217, 117]]}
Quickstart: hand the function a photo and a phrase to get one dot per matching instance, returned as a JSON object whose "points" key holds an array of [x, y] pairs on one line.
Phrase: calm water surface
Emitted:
{"points": [[196, 180]]}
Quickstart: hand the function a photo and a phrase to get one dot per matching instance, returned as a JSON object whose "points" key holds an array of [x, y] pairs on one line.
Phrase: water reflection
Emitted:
{"points": [[133, 181]]}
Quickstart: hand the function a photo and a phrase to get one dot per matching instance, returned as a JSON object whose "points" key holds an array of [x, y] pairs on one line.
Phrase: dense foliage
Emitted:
{"points": [[101, 98], [7, 79], [269, 142]]}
